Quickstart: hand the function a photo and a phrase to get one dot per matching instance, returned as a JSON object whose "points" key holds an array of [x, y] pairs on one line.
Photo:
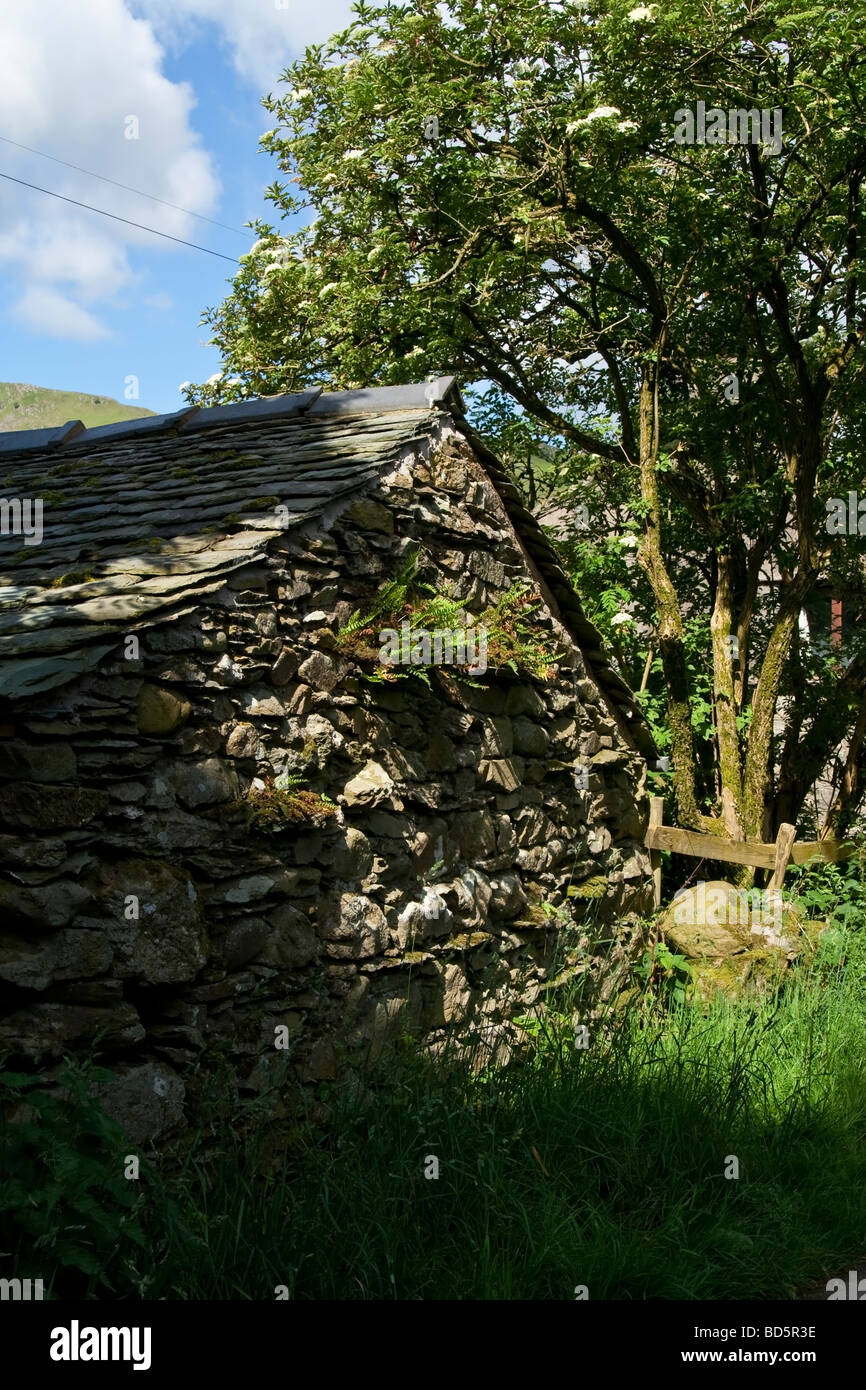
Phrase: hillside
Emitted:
{"points": [[36, 408]]}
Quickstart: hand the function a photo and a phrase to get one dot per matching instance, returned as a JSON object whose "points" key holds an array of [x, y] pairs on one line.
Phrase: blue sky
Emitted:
{"points": [[87, 303]]}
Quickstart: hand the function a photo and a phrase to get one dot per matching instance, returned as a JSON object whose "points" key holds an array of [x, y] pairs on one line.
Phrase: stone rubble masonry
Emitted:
{"points": [[137, 915]]}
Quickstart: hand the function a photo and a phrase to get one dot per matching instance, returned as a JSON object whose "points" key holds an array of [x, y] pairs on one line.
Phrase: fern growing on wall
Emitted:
{"points": [[513, 641]]}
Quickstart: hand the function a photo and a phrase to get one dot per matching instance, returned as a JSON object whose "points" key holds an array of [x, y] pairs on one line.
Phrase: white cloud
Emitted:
{"points": [[54, 314], [263, 38], [70, 77]]}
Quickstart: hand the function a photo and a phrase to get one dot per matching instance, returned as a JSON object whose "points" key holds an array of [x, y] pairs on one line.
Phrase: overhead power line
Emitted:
{"points": [[239, 231], [114, 217]]}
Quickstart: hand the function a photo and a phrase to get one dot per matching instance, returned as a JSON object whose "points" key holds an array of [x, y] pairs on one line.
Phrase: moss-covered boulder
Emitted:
{"points": [[715, 921]]}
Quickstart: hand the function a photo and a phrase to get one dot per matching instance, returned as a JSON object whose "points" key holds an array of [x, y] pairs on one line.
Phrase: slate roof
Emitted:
{"points": [[160, 509]]}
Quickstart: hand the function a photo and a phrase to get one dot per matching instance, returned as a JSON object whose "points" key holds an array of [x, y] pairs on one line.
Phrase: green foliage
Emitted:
{"points": [[663, 976], [392, 598], [835, 893], [67, 1215], [512, 641]]}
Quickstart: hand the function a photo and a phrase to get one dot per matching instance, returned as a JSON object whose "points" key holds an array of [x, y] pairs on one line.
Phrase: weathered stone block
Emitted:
{"points": [[244, 941], [66, 955], [47, 762], [497, 738], [369, 787], [502, 772], [321, 671], [44, 1031], [244, 741], [368, 515], [291, 942], [52, 905], [158, 711], [523, 699], [530, 738], [355, 922], [39, 807], [285, 667], [165, 943], [352, 855], [204, 783], [147, 1101]]}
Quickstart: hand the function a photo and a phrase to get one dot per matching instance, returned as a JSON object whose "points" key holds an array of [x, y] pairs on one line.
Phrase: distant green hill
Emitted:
{"points": [[36, 408]]}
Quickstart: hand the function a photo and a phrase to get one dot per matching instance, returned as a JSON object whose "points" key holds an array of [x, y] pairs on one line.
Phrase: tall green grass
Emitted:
{"points": [[602, 1167]]}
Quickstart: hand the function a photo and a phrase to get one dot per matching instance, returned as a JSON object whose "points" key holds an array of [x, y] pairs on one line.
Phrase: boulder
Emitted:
{"points": [[147, 1100], [158, 711], [716, 919]]}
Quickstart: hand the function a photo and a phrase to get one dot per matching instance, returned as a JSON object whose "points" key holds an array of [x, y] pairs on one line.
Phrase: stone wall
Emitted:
{"points": [[140, 913]]}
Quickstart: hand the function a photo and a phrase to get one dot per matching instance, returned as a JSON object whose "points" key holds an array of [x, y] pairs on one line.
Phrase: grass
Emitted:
{"points": [[602, 1167]]}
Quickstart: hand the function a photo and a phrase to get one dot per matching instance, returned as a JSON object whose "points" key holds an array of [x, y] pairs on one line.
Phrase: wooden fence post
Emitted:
{"points": [[656, 818], [784, 845]]}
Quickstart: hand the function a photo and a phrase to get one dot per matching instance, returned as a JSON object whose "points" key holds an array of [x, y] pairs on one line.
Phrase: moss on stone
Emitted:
{"points": [[594, 887], [73, 577], [259, 504]]}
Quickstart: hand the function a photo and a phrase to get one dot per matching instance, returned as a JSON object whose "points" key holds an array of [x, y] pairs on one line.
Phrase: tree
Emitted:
{"points": [[507, 189]]}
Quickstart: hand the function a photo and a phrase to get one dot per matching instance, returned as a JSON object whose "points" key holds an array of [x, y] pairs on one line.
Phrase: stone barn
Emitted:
{"points": [[230, 827]]}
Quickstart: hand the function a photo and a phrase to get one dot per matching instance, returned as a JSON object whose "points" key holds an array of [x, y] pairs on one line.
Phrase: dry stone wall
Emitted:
{"points": [[141, 915]]}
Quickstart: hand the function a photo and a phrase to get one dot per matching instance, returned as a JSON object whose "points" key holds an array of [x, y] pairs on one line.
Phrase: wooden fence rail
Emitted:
{"points": [[754, 853]]}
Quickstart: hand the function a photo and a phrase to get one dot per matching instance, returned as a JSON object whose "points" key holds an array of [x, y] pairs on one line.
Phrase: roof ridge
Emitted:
{"points": [[439, 391]]}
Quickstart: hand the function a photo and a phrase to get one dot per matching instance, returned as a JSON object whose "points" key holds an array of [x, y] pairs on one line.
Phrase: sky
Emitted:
{"points": [[163, 96]]}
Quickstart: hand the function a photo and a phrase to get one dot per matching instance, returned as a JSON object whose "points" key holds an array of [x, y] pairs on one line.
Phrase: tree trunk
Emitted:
{"points": [[723, 696], [848, 788], [760, 740], [670, 624]]}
